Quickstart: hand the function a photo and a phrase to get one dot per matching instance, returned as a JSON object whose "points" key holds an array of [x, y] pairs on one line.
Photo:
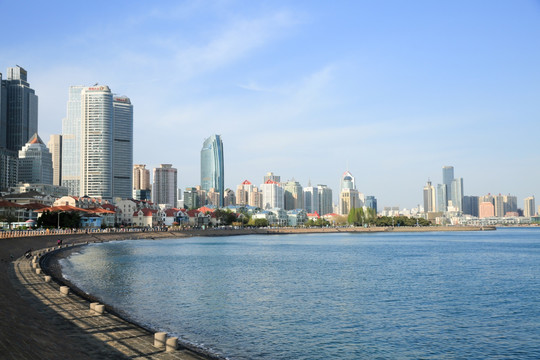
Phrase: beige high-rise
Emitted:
{"points": [[55, 148], [141, 177]]}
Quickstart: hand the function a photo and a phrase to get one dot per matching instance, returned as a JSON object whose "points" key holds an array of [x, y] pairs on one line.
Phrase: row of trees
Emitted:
{"points": [[59, 219], [359, 217]]}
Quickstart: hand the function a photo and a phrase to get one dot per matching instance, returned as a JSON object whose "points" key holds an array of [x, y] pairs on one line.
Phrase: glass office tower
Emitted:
{"points": [[71, 142], [212, 166]]}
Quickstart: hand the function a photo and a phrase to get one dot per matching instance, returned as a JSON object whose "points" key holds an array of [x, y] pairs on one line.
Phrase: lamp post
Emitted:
{"points": [[58, 224]]}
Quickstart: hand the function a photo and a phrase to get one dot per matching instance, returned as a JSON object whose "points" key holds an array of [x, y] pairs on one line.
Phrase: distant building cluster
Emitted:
{"points": [[90, 166], [447, 203]]}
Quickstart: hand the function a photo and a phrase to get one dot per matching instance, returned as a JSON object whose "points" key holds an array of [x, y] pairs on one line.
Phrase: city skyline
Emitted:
{"points": [[409, 88]]}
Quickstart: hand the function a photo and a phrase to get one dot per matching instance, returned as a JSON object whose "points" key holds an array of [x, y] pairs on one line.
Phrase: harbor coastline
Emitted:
{"points": [[49, 340]]}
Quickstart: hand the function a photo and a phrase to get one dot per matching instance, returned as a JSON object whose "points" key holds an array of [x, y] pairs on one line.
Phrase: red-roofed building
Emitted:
{"points": [[84, 202], [145, 217], [11, 211], [198, 218], [206, 209], [332, 217], [170, 216], [313, 216]]}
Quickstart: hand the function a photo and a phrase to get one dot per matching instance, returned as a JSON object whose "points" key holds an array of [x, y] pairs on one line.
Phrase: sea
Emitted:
{"points": [[391, 295]]}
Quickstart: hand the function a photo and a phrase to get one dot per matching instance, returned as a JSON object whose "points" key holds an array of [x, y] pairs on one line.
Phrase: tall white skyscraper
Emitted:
{"points": [[122, 147], [325, 199], [97, 149], [96, 142], [457, 193], [165, 185], [272, 195], [311, 199]]}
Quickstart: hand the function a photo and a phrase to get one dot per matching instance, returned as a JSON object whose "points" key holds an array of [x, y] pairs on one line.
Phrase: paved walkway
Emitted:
{"points": [[70, 321]]}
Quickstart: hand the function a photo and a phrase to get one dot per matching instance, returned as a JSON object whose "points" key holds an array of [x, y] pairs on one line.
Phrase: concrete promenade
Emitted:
{"points": [[38, 322]]}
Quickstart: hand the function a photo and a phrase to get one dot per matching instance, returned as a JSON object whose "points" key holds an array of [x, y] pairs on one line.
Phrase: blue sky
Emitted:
{"points": [[390, 90]]}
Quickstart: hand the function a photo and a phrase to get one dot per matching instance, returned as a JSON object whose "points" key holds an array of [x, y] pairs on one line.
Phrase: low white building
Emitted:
{"points": [[124, 213]]}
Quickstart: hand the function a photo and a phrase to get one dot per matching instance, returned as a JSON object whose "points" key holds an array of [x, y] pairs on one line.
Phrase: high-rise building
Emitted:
{"points": [[71, 142], [55, 148], [311, 199], [3, 114], [35, 162], [325, 200], [141, 177], [165, 185], [19, 116], [347, 181], [213, 197], [191, 198], [487, 198], [212, 166], [442, 198], [270, 176], [9, 167], [457, 193], [272, 195], [486, 209], [229, 198], [349, 198], [96, 142], [256, 198], [122, 152], [242, 192], [471, 205], [429, 197], [499, 205], [371, 202], [293, 195], [510, 204], [530, 207], [448, 176]]}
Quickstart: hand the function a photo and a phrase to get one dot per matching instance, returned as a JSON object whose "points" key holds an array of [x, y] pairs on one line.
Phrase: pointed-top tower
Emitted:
{"points": [[35, 162]]}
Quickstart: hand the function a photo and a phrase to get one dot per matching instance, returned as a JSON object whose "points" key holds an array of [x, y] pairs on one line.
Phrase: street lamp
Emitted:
{"points": [[58, 224]]}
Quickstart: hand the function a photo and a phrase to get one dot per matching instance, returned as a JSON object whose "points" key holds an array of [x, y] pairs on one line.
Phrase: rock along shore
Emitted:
{"points": [[30, 329]]}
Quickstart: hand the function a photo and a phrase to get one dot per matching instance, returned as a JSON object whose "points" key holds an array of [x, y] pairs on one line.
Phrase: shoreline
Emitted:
{"points": [[23, 314], [50, 263]]}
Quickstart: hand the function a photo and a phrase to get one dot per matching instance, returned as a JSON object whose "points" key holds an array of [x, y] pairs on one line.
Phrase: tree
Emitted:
{"points": [[9, 218], [356, 217], [64, 219], [261, 222]]}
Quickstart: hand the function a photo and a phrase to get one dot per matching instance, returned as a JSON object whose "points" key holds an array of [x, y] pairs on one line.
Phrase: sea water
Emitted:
{"points": [[437, 295]]}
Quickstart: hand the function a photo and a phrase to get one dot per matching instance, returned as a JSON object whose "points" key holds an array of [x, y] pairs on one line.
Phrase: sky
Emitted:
{"points": [[390, 90]]}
